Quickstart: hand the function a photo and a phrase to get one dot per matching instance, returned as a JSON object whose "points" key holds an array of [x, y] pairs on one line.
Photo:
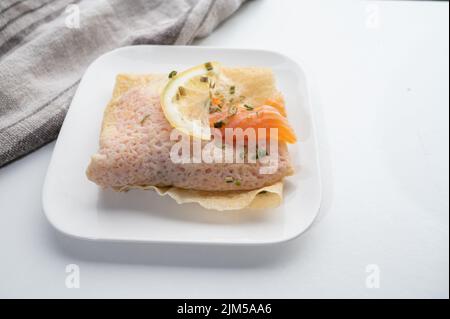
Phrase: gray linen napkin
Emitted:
{"points": [[45, 46]]}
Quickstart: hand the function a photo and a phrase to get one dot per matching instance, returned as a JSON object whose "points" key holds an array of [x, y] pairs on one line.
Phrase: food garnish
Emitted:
{"points": [[219, 124], [231, 179], [182, 91], [145, 117], [209, 66], [203, 97], [172, 74], [249, 107], [232, 110]]}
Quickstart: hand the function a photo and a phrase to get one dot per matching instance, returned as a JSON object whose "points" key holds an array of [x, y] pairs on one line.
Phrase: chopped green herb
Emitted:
{"points": [[172, 74], [229, 179], [232, 110], [219, 124], [182, 91], [145, 117], [208, 66], [232, 89], [214, 109], [249, 107], [204, 79], [212, 84], [261, 153]]}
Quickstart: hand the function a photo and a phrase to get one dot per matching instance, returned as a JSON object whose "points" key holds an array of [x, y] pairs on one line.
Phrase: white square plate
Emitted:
{"points": [[77, 207]]}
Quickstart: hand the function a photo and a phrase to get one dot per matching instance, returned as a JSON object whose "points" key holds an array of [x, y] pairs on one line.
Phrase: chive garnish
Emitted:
{"points": [[212, 85], [145, 117], [261, 153], [219, 124], [182, 91], [208, 66], [229, 179], [248, 107], [172, 74], [233, 110], [214, 109], [204, 79], [232, 89]]}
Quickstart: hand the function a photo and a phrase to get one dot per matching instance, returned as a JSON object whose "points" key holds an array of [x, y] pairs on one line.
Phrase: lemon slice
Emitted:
{"points": [[186, 98]]}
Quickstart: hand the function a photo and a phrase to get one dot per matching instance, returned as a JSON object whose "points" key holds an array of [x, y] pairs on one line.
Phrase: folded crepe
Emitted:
{"points": [[135, 149]]}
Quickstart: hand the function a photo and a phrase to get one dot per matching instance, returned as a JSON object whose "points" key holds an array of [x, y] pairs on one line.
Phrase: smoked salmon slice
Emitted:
{"points": [[271, 114]]}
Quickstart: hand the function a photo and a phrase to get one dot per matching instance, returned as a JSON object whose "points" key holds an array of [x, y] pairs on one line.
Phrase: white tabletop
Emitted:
{"points": [[379, 73]]}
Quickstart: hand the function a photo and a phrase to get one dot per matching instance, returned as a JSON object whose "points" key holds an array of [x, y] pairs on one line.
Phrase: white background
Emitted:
{"points": [[379, 73]]}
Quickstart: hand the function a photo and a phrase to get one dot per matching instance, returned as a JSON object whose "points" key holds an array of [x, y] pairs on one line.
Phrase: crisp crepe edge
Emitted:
{"points": [[266, 197]]}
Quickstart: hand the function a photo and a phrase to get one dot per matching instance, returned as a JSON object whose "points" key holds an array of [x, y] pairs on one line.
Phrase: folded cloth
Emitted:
{"points": [[45, 46]]}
